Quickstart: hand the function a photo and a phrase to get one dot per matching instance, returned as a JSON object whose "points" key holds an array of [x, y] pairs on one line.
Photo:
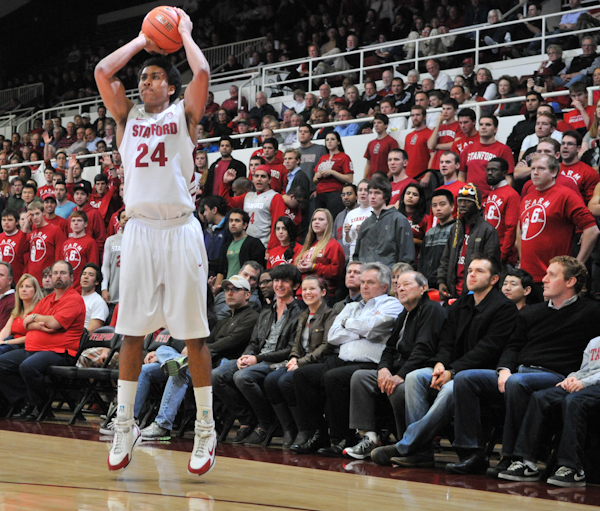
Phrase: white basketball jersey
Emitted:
{"points": [[157, 153], [259, 209]]}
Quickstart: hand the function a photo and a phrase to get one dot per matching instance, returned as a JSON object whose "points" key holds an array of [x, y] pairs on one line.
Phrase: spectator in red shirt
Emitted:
{"points": [[468, 130], [274, 160], [378, 149], [501, 209], [584, 176], [415, 146], [7, 293], [104, 197], [231, 104], [582, 115], [14, 245], [54, 331], [397, 163], [414, 206], [96, 228], [548, 218], [474, 160], [45, 242], [332, 172], [51, 217], [445, 131], [80, 248]]}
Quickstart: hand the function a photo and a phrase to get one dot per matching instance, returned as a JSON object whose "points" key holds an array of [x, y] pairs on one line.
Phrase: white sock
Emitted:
{"points": [[125, 399], [530, 464], [204, 402], [371, 435]]}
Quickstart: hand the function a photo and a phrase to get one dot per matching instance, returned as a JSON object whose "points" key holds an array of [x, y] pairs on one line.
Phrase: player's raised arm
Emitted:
{"points": [[196, 92], [110, 87]]}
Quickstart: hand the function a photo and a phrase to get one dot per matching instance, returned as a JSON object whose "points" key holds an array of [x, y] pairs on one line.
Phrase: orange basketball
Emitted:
{"points": [[162, 26]]}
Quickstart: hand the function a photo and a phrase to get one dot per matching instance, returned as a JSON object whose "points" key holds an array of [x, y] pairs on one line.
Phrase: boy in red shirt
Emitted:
{"points": [[584, 176], [445, 131], [582, 115], [468, 131], [45, 242], [378, 149], [397, 163], [51, 217], [96, 227], [14, 246], [415, 146], [79, 249], [474, 159]]}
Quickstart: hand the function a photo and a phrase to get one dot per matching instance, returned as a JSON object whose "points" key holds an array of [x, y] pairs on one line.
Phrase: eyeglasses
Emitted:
{"points": [[231, 289]]}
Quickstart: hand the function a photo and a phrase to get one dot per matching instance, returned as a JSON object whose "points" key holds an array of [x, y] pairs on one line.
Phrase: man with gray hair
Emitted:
{"points": [[411, 345], [360, 332]]}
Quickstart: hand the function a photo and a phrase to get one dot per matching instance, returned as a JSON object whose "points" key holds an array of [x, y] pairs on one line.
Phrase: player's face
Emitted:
{"points": [[441, 208], [251, 275], [236, 224], [282, 234], [77, 225], [312, 294], [37, 217], [448, 165], [319, 223], [541, 175], [9, 223], [493, 173], [154, 86], [513, 289], [290, 161], [568, 148], [261, 180], [395, 162], [101, 187], [479, 276], [26, 290], [49, 207], [80, 197], [225, 148], [88, 279]]}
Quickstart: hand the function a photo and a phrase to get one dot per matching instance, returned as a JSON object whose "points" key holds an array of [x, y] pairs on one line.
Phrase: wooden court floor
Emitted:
{"points": [[56, 467]]}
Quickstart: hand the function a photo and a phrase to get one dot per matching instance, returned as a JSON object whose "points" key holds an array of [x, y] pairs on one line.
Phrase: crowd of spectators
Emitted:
{"points": [[338, 307]]}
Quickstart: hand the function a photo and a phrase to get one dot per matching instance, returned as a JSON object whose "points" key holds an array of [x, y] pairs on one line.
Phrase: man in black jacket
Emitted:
{"points": [[411, 346], [526, 126], [471, 234], [547, 345], [223, 164], [473, 336], [238, 383], [241, 247]]}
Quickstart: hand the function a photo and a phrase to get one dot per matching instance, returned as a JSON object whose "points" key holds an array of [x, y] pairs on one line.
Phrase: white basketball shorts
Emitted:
{"points": [[163, 278]]}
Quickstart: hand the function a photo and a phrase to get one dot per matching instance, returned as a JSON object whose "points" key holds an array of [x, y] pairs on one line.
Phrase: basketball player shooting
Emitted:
{"points": [[164, 263]]}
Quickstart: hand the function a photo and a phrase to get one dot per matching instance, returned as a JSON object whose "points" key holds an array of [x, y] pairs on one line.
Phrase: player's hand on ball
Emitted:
{"points": [[185, 23], [151, 46]]}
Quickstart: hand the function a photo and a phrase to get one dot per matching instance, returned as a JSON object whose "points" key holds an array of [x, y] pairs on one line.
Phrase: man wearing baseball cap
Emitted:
{"points": [[49, 200], [471, 234], [95, 228]]}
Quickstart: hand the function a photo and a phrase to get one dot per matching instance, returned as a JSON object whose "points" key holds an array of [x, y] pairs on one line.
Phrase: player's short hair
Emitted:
{"points": [[467, 112], [286, 272], [503, 164], [272, 141], [100, 178], [79, 214], [244, 214], [442, 192], [173, 74], [216, 201], [383, 185], [10, 212], [62, 261]]}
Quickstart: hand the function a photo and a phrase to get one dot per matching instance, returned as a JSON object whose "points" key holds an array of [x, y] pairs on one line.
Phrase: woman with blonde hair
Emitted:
{"points": [[321, 254], [28, 294]]}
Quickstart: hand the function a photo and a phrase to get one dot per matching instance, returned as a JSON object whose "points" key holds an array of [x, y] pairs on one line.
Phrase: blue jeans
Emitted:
{"points": [[279, 386], [518, 390], [424, 421], [23, 374], [152, 373]]}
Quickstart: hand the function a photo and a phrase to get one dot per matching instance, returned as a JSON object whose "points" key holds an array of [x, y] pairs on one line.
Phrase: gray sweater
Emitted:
{"points": [[589, 374]]}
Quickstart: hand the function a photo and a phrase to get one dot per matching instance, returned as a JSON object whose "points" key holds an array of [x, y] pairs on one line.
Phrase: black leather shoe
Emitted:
{"points": [[383, 455], [24, 412], [335, 451], [319, 440], [257, 437], [474, 464], [242, 433]]}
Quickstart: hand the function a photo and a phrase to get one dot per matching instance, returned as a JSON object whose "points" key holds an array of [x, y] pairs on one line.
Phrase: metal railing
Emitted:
{"points": [[217, 55], [25, 94], [270, 71]]}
